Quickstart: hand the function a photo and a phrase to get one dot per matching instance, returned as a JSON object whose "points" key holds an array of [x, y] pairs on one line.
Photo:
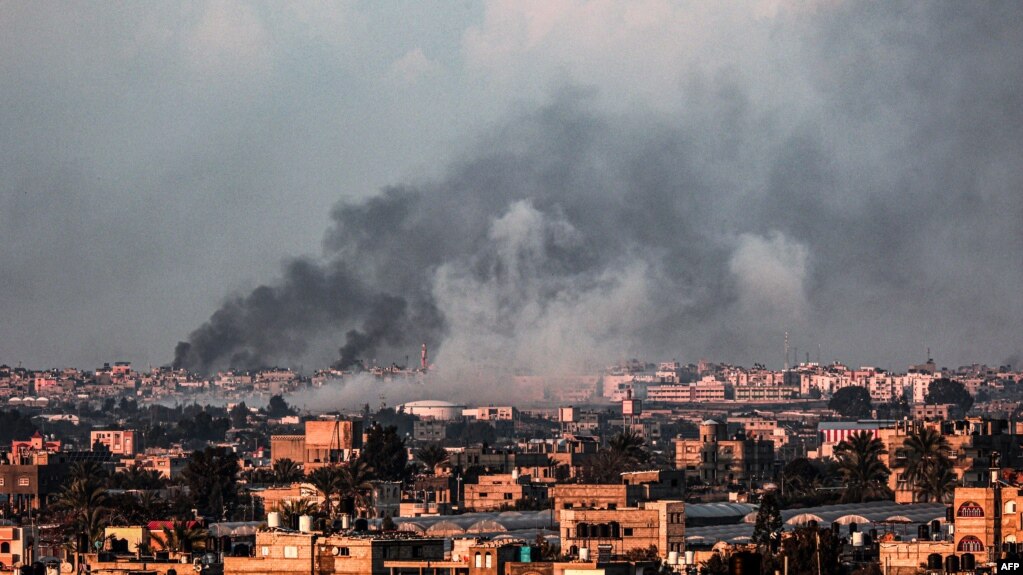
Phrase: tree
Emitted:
{"points": [[944, 390], [624, 452], [385, 453], [138, 477], [810, 550], [864, 474], [212, 478], [431, 456], [852, 401], [928, 466], [286, 472], [355, 486], [799, 476], [291, 510], [240, 416], [326, 480], [767, 531], [181, 537], [278, 408], [85, 502]]}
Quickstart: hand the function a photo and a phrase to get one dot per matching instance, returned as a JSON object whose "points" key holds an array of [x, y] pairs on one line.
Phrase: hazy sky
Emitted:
{"points": [[570, 183]]}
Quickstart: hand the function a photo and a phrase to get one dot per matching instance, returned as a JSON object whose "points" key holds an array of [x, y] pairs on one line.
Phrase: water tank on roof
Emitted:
{"points": [[305, 524], [525, 554], [857, 539], [584, 554], [673, 558], [273, 519], [951, 564]]}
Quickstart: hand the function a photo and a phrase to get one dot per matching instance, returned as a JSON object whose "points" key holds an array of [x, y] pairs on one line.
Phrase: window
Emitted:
{"points": [[1, 481], [489, 564], [479, 560], [627, 531], [265, 551], [507, 495], [290, 552], [1010, 507], [343, 551], [5, 547], [23, 481], [970, 509], [970, 544], [483, 495]]}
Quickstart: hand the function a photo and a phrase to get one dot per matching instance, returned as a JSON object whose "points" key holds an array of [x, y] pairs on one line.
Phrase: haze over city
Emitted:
{"points": [[532, 185]]}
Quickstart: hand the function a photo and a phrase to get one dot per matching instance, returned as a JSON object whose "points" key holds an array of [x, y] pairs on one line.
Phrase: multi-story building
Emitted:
{"points": [[36, 443], [719, 459], [297, 553], [658, 524], [323, 442], [986, 521], [635, 487], [973, 443], [502, 492], [16, 546], [116, 441], [26, 482]]}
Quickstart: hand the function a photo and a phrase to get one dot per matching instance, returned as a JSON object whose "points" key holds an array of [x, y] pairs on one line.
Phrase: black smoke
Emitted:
{"points": [[877, 217]]}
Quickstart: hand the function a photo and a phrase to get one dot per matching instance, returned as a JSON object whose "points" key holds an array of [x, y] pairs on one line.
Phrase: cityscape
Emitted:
{"points": [[511, 288]]}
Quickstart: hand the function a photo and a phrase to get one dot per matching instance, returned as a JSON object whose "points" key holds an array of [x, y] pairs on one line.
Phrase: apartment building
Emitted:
{"points": [[719, 459], [323, 442], [120, 442], [502, 492], [660, 524]]}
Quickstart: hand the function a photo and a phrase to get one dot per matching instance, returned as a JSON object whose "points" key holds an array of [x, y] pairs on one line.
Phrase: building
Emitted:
{"points": [[635, 487], [29, 484], [36, 443], [296, 553], [717, 459], [16, 546], [504, 492], [433, 409], [831, 433], [985, 522], [973, 442], [117, 441], [323, 442], [659, 524], [429, 430]]}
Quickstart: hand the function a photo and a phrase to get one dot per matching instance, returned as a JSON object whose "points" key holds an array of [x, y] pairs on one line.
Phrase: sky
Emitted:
{"points": [[532, 186]]}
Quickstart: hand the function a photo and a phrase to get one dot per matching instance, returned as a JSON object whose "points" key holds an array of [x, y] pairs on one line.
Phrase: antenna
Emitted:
{"points": [[786, 351]]}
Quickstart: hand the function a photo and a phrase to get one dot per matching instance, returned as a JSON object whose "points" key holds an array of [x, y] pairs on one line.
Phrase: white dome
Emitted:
{"points": [[433, 408]]}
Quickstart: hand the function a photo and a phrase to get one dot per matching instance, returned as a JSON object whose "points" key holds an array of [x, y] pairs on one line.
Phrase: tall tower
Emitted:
{"points": [[424, 359], [786, 351]]}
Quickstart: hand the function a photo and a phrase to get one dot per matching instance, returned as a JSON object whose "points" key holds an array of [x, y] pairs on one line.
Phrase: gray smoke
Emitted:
{"points": [[877, 215]]}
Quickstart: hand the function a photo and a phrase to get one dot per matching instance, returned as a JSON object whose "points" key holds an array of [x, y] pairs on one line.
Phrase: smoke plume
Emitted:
{"points": [[877, 211]]}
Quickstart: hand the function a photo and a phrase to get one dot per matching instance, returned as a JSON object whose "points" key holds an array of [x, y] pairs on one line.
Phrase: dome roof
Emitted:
{"points": [[430, 403]]}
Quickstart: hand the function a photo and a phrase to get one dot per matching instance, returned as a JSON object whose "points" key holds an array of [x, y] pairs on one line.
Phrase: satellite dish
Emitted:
{"points": [[335, 551]]}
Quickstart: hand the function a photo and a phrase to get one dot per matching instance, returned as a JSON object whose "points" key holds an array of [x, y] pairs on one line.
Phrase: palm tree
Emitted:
{"points": [[928, 465], [286, 472], [630, 444], [859, 462], [181, 537], [85, 502], [326, 480], [291, 510], [355, 482], [431, 456], [606, 466]]}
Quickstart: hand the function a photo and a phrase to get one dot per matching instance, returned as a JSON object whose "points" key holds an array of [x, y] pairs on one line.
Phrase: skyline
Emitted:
{"points": [[542, 184]]}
